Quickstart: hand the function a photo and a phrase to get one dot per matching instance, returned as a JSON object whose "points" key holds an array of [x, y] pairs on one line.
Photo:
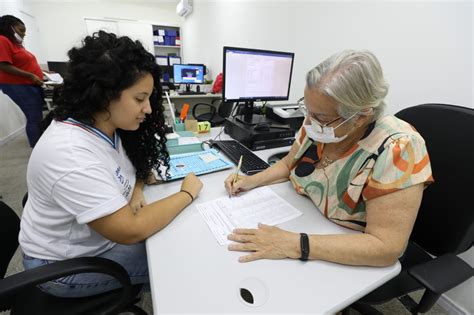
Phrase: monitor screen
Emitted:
{"points": [[256, 75], [58, 67], [188, 74]]}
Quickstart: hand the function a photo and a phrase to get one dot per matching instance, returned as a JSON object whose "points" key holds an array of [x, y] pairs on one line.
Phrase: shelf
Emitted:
{"points": [[166, 46]]}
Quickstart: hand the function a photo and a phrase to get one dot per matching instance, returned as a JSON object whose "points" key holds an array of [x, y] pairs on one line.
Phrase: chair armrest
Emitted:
{"points": [[212, 109], [14, 284], [442, 273]]}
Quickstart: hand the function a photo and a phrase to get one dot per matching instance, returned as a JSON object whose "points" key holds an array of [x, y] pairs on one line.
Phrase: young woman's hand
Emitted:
{"points": [[192, 184], [138, 200]]}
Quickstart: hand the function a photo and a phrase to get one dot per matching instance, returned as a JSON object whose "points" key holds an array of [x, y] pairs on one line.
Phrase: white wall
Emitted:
{"points": [[22, 10], [61, 23], [424, 47]]}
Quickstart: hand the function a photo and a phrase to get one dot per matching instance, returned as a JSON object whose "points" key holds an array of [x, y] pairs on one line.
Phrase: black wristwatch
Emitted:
{"points": [[304, 245]]}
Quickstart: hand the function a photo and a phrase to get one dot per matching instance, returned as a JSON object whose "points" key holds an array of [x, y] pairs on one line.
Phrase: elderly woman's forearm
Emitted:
{"points": [[277, 173], [364, 250]]}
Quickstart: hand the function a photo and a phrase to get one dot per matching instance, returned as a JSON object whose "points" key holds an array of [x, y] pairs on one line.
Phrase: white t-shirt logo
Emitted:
{"points": [[127, 188]]}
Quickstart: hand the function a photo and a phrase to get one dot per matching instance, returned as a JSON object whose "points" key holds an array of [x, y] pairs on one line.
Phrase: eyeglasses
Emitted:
{"points": [[315, 117]]}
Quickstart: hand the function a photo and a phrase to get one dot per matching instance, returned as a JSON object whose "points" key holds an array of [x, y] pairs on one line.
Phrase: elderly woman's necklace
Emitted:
{"points": [[325, 162]]}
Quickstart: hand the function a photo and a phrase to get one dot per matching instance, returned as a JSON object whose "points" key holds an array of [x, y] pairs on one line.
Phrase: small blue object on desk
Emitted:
{"points": [[174, 147], [202, 162], [178, 126]]}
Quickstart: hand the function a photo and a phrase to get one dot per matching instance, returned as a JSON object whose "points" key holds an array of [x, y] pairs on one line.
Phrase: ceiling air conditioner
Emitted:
{"points": [[184, 7]]}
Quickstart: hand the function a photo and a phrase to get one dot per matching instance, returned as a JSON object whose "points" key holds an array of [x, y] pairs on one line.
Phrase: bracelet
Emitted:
{"points": [[192, 198], [304, 245]]}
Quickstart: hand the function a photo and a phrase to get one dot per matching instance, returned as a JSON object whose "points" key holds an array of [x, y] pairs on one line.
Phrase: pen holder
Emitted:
{"points": [[179, 126]]}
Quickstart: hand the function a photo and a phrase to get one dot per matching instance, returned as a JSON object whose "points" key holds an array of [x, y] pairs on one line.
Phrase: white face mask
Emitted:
{"points": [[324, 134], [18, 38]]}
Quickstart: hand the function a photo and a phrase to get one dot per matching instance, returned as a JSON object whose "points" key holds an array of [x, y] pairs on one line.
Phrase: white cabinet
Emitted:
{"points": [[167, 42]]}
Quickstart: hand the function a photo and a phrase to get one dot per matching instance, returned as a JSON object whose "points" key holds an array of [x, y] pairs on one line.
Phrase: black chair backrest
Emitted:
{"points": [[445, 220], [9, 229], [225, 109]]}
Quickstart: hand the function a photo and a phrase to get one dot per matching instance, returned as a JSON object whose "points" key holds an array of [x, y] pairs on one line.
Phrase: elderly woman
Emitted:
{"points": [[362, 169]]}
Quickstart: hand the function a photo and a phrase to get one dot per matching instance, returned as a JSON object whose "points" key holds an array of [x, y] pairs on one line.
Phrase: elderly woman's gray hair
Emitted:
{"points": [[354, 79]]}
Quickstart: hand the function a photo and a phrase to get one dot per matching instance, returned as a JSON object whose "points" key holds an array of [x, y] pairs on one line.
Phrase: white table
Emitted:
{"points": [[190, 273]]}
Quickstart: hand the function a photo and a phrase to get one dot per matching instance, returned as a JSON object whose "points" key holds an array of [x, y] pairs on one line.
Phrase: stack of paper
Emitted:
{"points": [[54, 78], [261, 205]]}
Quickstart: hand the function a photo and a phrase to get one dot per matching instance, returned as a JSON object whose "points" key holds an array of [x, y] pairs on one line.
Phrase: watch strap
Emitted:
{"points": [[304, 246]]}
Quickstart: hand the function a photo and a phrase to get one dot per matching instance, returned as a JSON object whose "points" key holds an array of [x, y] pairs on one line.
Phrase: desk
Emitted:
{"points": [[196, 96], [191, 273]]}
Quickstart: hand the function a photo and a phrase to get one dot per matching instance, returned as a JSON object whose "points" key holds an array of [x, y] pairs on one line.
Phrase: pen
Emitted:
{"points": [[238, 170], [239, 165], [184, 112]]}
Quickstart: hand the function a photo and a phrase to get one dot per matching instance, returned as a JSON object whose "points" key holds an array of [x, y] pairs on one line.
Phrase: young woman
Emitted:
{"points": [[86, 173]]}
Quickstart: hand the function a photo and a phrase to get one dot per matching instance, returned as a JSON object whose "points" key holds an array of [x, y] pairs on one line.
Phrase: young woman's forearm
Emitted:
{"points": [[127, 226], [155, 216]]}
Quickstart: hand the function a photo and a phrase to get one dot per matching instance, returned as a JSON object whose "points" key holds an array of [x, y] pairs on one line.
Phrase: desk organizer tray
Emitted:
{"points": [[175, 148], [202, 162]]}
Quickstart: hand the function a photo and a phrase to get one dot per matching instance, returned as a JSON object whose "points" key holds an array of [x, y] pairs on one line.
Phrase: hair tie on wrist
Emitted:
{"points": [[192, 198]]}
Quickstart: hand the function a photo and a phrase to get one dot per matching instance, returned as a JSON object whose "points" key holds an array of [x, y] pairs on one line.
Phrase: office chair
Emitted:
{"points": [[19, 293], [215, 116], [444, 227]]}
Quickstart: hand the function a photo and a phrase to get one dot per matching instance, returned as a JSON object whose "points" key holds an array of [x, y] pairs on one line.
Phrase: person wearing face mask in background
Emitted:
{"points": [[21, 75], [362, 169]]}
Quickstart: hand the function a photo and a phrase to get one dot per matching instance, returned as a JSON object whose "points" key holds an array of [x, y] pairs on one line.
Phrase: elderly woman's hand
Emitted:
{"points": [[242, 183], [265, 242]]}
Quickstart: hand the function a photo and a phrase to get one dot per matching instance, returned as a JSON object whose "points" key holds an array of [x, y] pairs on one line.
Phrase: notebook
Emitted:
{"points": [[201, 162]]}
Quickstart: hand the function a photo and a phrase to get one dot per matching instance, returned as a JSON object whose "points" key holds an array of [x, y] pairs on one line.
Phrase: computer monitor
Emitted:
{"points": [[58, 67], [252, 75], [188, 74]]}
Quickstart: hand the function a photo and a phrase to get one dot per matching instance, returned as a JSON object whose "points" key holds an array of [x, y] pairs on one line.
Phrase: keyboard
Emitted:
{"points": [[233, 149], [191, 93]]}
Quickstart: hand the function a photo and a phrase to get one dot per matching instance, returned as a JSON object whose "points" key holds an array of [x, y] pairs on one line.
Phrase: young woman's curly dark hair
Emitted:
{"points": [[96, 74], [7, 22]]}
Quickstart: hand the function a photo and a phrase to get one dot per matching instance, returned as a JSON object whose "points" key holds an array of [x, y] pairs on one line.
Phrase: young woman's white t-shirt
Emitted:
{"points": [[76, 174]]}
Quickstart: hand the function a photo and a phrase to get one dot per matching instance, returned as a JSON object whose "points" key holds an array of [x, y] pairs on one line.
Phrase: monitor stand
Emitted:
{"points": [[248, 118], [188, 88]]}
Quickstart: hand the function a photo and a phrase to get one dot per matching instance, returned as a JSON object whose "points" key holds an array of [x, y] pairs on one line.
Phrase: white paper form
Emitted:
{"points": [[260, 205], [54, 77]]}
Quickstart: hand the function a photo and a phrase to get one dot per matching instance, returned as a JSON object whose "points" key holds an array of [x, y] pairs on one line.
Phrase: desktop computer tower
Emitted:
{"points": [[275, 137]]}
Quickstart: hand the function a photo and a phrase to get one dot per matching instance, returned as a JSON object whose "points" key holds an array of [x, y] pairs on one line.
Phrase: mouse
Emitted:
{"points": [[262, 127]]}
